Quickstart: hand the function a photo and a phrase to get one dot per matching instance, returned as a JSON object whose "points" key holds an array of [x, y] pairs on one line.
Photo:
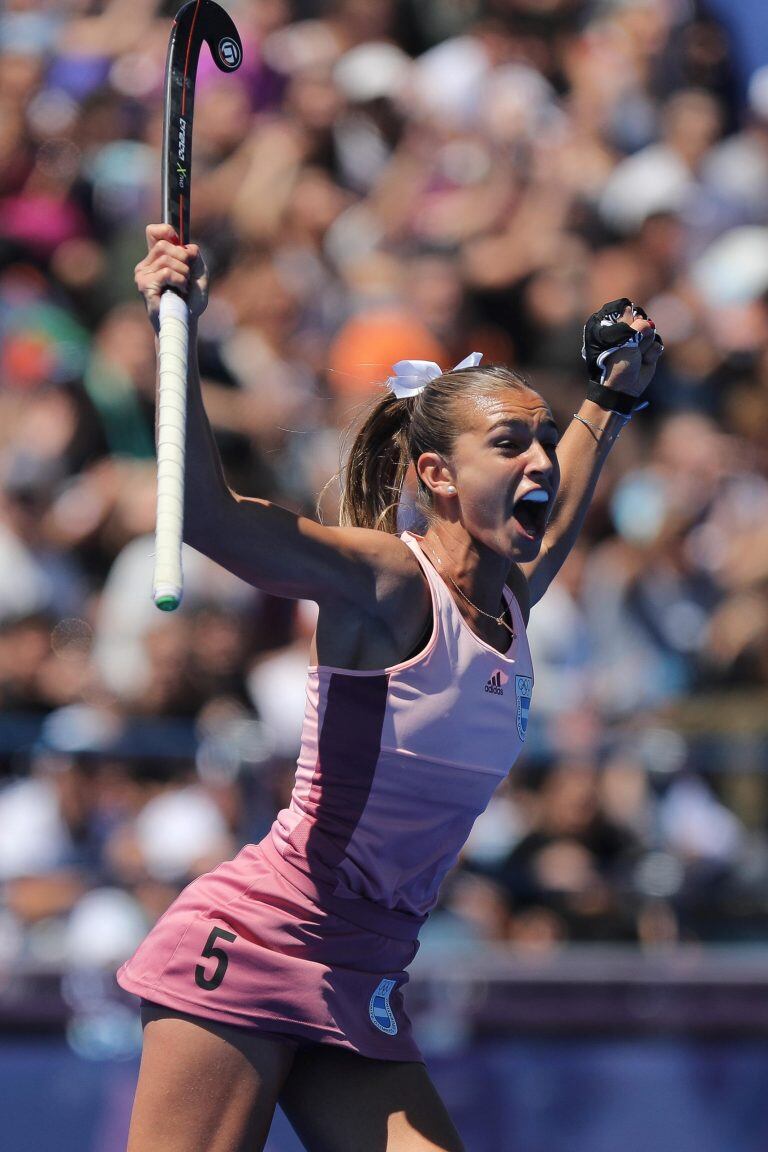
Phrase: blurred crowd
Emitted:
{"points": [[382, 179]]}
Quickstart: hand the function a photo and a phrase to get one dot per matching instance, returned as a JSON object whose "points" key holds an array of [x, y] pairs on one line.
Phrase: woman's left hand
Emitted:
{"points": [[630, 368]]}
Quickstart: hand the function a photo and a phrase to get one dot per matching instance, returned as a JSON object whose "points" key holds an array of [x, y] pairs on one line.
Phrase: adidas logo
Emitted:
{"points": [[494, 685]]}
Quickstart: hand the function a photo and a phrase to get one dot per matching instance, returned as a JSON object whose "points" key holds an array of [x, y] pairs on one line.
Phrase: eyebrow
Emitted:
{"points": [[512, 422]]}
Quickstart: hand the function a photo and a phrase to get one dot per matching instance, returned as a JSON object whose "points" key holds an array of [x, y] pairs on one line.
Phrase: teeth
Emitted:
{"points": [[537, 496]]}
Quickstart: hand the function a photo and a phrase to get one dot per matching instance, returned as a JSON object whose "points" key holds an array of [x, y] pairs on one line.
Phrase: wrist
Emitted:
{"points": [[603, 426], [612, 399]]}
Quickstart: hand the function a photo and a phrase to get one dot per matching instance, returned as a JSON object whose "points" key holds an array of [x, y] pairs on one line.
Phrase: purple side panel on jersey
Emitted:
{"points": [[349, 746]]}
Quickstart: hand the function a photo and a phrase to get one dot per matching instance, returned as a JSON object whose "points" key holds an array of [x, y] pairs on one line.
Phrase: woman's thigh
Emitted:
{"points": [[340, 1102], [203, 1086]]}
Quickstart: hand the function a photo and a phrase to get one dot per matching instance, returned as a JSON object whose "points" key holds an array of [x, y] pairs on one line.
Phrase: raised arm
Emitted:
{"points": [[268, 546], [585, 444]]}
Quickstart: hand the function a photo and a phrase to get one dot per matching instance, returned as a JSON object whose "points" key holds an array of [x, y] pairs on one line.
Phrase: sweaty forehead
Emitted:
{"points": [[484, 410]]}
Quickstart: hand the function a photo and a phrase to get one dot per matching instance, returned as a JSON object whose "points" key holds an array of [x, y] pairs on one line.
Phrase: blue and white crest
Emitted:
{"points": [[523, 693], [379, 1010]]}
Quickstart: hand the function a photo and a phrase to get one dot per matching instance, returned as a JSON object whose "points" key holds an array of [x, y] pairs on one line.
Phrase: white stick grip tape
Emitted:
{"points": [[171, 425]]}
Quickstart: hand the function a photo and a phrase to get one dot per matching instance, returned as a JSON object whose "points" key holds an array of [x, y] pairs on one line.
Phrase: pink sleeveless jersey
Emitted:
{"points": [[308, 934], [396, 765]]}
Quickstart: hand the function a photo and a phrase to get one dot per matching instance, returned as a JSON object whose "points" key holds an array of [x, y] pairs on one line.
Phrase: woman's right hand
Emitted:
{"points": [[168, 264]]}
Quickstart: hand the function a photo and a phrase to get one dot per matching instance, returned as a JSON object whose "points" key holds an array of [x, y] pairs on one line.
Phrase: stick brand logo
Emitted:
{"points": [[379, 1010], [182, 138], [523, 692], [229, 52], [494, 683]]}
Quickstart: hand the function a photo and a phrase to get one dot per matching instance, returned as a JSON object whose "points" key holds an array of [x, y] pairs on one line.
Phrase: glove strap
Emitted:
{"points": [[612, 400]]}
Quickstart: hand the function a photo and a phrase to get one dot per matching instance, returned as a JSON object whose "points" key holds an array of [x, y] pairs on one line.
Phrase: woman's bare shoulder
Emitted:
{"points": [[384, 553], [399, 589], [361, 637]]}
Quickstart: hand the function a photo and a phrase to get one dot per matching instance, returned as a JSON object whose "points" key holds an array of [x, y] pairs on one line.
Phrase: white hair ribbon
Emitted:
{"points": [[412, 376]]}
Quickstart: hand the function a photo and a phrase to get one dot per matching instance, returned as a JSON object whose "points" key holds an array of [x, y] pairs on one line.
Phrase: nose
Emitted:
{"points": [[540, 459]]}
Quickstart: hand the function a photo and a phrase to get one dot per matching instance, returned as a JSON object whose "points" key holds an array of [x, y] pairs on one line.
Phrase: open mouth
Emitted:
{"points": [[532, 512]]}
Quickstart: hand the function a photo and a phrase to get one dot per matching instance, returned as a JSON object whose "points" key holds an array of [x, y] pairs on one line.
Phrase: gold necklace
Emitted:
{"points": [[497, 619]]}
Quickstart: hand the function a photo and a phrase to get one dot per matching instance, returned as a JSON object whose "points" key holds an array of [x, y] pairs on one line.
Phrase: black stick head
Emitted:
{"points": [[197, 21], [205, 20]]}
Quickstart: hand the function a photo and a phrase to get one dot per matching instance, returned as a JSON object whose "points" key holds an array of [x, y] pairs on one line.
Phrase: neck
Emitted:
{"points": [[478, 571]]}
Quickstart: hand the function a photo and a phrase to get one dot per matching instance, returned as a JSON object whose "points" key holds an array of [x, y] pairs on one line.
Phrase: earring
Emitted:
{"points": [[451, 490]]}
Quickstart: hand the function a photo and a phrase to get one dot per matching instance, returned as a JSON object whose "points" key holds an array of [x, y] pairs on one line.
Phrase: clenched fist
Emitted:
{"points": [[169, 264], [621, 347]]}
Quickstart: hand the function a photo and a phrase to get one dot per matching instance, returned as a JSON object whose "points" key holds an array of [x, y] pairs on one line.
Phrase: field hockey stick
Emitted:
{"points": [[197, 21]]}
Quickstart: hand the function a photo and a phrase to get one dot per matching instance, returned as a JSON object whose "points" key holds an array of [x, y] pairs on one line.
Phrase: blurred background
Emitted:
{"points": [[390, 178]]}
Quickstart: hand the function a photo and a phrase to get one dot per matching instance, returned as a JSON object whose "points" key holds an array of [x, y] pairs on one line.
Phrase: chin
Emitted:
{"points": [[524, 550]]}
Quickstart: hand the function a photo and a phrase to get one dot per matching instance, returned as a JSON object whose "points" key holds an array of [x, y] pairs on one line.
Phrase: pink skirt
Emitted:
{"points": [[257, 944]]}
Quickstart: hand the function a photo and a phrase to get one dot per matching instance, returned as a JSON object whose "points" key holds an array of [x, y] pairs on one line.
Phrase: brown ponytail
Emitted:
{"points": [[395, 434], [376, 466]]}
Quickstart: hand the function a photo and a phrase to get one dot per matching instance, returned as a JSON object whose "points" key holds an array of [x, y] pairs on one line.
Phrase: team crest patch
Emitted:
{"points": [[523, 693], [379, 1010]]}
